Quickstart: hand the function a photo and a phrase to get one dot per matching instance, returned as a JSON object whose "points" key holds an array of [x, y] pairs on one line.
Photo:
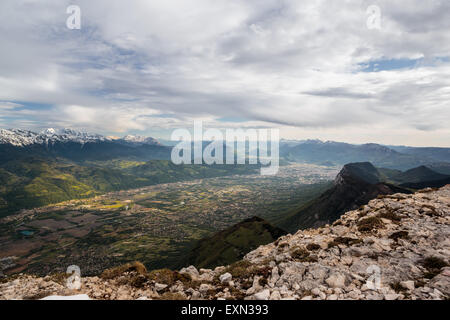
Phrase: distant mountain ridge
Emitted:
{"points": [[21, 138], [140, 140], [422, 177], [439, 154], [419, 174], [77, 146], [340, 153]]}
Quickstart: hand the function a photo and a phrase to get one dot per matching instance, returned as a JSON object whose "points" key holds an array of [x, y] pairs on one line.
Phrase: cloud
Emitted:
{"points": [[339, 93], [296, 65], [6, 105]]}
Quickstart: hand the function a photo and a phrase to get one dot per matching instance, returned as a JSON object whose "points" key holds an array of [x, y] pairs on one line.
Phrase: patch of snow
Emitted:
{"points": [[21, 138], [140, 140]]}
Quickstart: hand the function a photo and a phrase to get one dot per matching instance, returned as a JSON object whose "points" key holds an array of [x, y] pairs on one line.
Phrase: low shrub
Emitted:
{"points": [[369, 224], [313, 247], [115, 272], [433, 266], [343, 240], [399, 235]]}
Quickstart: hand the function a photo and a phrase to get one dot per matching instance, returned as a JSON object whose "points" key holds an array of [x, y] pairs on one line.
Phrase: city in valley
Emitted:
{"points": [[156, 225]]}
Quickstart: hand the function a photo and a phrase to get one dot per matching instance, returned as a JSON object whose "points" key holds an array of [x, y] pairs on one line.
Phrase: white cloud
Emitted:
{"points": [[283, 63]]}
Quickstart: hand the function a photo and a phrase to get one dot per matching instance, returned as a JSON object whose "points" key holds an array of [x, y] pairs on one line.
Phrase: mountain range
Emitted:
{"points": [[81, 146], [77, 146], [22, 138], [439, 154], [339, 153], [38, 168]]}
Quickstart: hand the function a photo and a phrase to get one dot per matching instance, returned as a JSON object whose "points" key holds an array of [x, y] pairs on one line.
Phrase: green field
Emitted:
{"points": [[33, 183]]}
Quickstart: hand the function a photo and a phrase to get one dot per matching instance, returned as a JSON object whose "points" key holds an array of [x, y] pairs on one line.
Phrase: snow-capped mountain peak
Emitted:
{"points": [[21, 138], [16, 137], [140, 140], [49, 131]]}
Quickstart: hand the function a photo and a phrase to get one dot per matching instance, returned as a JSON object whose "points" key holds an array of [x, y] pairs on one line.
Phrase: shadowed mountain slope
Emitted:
{"points": [[233, 243], [419, 174]]}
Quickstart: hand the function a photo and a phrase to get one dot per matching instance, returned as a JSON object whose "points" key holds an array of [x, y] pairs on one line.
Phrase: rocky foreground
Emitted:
{"points": [[395, 248]]}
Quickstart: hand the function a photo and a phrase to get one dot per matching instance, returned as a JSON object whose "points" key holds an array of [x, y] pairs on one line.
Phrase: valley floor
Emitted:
{"points": [[156, 224]]}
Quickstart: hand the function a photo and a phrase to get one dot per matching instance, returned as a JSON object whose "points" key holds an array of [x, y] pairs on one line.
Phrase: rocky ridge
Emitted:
{"points": [[396, 247]]}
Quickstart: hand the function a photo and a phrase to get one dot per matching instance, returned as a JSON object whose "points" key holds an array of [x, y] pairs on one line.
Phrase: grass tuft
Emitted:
{"points": [[344, 241], [313, 247], [369, 224], [433, 266], [390, 214], [120, 270], [399, 235], [303, 255]]}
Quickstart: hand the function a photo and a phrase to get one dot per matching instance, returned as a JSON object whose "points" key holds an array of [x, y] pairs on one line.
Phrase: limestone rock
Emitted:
{"points": [[336, 280], [226, 277], [262, 295]]}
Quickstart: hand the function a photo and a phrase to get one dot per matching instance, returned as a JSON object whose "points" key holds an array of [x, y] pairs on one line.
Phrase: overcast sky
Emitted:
{"points": [[314, 69]]}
